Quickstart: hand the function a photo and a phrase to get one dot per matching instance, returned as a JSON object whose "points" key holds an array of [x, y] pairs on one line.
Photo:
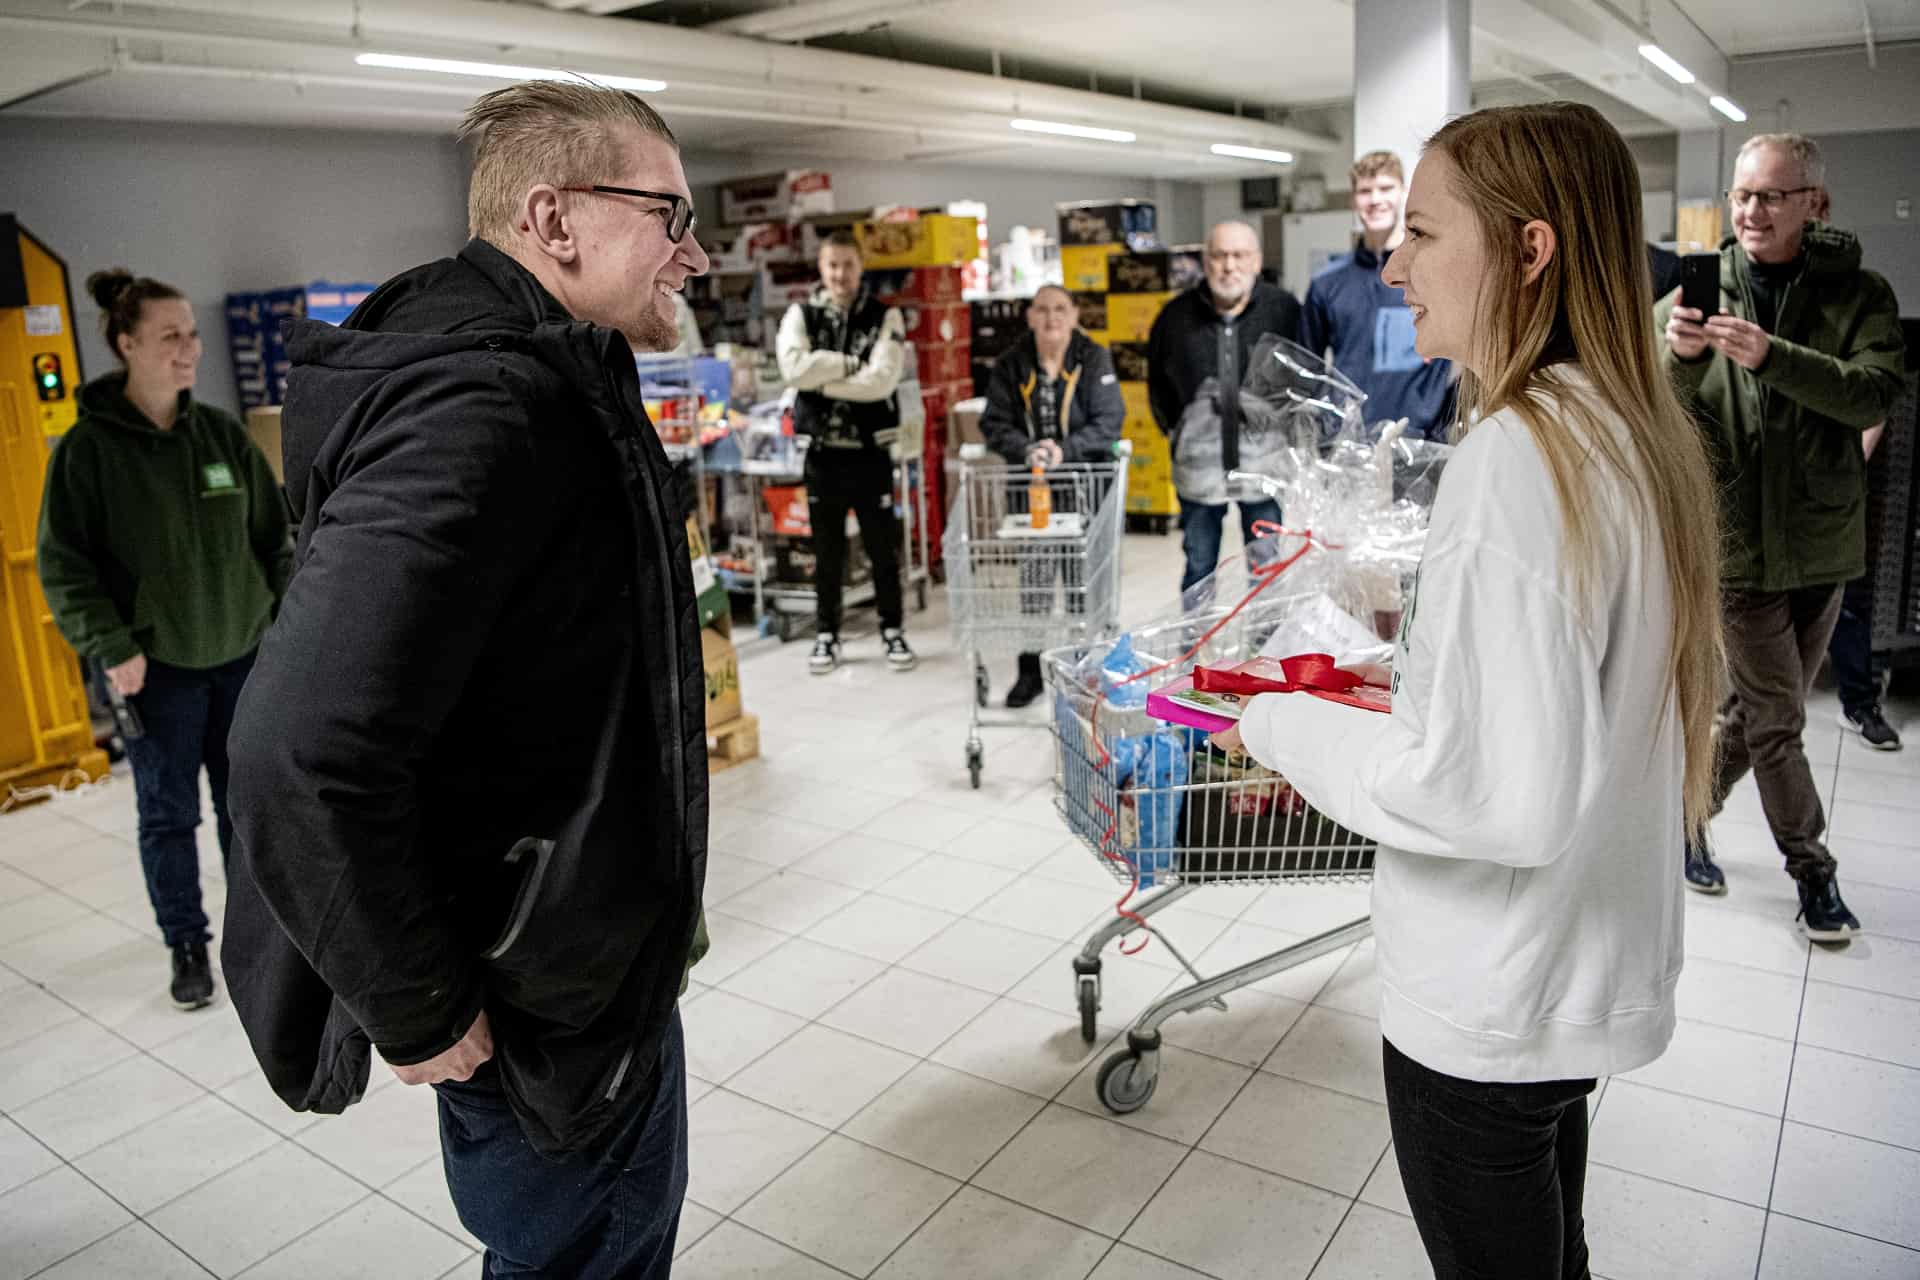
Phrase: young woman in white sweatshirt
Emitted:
{"points": [[1554, 688]]}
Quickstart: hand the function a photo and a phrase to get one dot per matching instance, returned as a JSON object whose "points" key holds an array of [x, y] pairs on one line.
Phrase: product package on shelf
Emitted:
{"points": [[1130, 316], [901, 286], [931, 240], [1093, 309], [937, 323], [944, 364], [1129, 361], [778, 197], [1083, 267], [1149, 272], [1128, 223], [1186, 266]]}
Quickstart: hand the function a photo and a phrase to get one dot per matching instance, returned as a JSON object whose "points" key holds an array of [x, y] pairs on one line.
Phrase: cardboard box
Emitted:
{"points": [[951, 362], [936, 239], [781, 197], [1140, 273], [263, 428], [746, 247], [1129, 361], [937, 323], [1093, 309], [1122, 222], [721, 665], [1083, 267], [1139, 403], [1186, 266], [782, 284], [1130, 316], [795, 562], [998, 324], [966, 425]]}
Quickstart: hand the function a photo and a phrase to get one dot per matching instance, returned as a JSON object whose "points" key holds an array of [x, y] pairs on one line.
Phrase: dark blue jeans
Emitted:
{"points": [[610, 1211], [1496, 1174], [187, 713], [1851, 648], [1202, 525]]}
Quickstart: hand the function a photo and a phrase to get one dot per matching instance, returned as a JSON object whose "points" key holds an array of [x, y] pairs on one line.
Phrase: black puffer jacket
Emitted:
{"points": [[469, 769]]}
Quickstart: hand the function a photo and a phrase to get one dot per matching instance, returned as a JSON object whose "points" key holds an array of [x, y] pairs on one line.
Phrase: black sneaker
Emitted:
{"points": [[192, 976], [899, 656], [1823, 914], [1703, 874], [1872, 727], [826, 653], [1029, 686]]}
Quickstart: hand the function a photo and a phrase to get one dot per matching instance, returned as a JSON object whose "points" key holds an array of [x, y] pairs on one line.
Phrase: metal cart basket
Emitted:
{"points": [[1015, 588], [1168, 813]]}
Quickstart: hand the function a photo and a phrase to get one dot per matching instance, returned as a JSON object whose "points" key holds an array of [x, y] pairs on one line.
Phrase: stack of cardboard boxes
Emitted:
{"points": [[1121, 289], [733, 736]]}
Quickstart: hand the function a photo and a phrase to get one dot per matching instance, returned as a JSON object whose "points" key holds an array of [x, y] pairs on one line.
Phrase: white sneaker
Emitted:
{"points": [[899, 656]]}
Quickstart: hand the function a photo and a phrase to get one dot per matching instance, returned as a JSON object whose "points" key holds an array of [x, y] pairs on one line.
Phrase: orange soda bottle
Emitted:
{"points": [[1040, 498]]}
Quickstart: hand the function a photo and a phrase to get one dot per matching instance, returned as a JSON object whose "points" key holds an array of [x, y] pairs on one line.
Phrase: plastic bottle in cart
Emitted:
{"points": [[1040, 498]]}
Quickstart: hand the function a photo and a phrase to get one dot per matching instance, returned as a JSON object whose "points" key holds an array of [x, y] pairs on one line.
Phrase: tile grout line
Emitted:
{"points": [[1786, 1103]]}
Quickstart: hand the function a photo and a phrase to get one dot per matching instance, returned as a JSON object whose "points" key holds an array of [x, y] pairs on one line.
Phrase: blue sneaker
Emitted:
{"points": [[1703, 874], [1823, 913]]}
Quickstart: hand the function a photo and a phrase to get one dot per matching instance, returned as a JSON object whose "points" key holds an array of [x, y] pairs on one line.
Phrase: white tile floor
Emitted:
{"points": [[888, 1078]]}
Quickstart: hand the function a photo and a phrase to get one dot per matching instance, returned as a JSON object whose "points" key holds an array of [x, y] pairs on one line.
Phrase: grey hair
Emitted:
{"points": [[1813, 165]]}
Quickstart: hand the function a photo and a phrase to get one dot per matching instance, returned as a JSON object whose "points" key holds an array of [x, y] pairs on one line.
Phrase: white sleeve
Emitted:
{"points": [[880, 375], [800, 365], [1509, 756]]}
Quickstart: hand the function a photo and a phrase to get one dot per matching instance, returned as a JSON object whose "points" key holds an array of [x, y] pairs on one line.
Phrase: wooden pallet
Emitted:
{"points": [[735, 742]]}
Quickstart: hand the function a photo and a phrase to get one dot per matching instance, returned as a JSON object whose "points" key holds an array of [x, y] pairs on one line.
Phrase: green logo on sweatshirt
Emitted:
{"points": [[219, 479]]}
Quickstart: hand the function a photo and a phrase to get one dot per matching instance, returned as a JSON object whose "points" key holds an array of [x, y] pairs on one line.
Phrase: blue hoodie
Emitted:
{"points": [[1370, 330]]}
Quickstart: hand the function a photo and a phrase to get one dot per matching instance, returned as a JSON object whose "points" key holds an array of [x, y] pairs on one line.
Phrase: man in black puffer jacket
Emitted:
{"points": [[469, 774]]}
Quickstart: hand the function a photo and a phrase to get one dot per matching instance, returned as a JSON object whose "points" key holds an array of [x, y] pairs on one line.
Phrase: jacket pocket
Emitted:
{"points": [[535, 855]]}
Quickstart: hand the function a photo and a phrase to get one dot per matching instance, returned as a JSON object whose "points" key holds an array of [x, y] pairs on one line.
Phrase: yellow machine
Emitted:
{"points": [[46, 731]]}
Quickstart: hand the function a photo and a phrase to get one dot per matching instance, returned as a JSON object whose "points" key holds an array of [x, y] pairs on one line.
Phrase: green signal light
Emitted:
{"points": [[50, 380]]}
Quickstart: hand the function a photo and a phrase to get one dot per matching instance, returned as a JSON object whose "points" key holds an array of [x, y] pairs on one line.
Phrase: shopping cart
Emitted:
{"points": [[1168, 813], [1014, 588]]}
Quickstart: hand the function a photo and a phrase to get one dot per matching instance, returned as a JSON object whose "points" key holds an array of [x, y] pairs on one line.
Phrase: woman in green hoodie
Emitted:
{"points": [[164, 553]]}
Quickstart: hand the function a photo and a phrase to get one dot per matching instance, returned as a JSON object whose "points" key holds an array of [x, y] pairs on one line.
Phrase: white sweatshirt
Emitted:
{"points": [[1526, 789]]}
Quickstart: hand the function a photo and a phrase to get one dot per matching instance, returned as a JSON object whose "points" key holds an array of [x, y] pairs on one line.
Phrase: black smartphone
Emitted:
{"points": [[1700, 282]]}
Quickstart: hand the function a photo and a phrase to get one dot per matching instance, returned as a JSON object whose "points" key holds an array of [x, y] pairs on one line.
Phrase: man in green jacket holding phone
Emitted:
{"points": [[1804, 354]]}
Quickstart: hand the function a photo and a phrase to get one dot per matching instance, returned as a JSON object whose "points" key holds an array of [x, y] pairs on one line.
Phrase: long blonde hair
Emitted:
{"points": [[1563, 164]]}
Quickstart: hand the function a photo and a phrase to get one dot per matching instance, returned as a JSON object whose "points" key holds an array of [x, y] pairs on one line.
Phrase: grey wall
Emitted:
{"points": [[1866, 173], [213, 210]]}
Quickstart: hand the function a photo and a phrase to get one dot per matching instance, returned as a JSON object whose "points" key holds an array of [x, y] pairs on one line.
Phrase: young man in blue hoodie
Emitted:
{"points": [[1366, 323]]}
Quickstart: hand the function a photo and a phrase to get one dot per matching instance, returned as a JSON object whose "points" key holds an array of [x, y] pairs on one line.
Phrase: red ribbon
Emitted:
{"points": [[1306, 673]]}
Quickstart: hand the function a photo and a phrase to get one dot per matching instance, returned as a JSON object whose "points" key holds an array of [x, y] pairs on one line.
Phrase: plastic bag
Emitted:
{"points": [[1148, 769]]}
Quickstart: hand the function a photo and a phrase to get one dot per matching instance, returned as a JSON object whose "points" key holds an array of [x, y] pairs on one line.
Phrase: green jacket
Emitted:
{"points": [[171, 544], [1785, 441]]}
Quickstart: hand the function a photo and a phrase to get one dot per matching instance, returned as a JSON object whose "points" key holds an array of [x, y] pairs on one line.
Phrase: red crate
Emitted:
{"points": [[937, 324], [951, 362]]}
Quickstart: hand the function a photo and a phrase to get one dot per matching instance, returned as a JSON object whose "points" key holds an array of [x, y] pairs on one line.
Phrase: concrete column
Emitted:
{"points": [[1411, 73], [1701, 168]]}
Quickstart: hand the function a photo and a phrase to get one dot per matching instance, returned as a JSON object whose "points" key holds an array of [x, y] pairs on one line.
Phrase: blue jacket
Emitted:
{"points": [[1371, 333]]}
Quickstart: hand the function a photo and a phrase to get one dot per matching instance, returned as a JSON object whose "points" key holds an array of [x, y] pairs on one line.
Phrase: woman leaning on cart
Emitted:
{"points": [[1054, 398], [1554, 687]]}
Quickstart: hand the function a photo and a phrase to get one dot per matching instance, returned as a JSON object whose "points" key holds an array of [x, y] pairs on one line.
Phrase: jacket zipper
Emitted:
{"points": [[620, 1073]]}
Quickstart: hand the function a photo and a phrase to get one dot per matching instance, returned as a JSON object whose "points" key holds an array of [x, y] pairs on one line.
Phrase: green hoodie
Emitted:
{"points": [[171, 544], [1785, 441]]}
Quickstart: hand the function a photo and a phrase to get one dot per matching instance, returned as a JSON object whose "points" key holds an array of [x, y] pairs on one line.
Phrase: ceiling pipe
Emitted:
{"points": [[678, 54], [811, 19]]}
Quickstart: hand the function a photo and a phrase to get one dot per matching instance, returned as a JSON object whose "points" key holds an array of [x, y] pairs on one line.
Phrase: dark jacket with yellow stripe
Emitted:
{"points": [[1091, 408]]}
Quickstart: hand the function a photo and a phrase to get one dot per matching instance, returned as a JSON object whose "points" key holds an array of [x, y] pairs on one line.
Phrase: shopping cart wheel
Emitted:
{"points": [[1089, 1009], [976, 760], [1126, 1082]]}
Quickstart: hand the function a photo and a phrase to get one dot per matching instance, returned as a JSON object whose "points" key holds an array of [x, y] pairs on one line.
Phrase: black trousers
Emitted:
{"points": [[860, 481], [1851, 649], [1495, 1173]]}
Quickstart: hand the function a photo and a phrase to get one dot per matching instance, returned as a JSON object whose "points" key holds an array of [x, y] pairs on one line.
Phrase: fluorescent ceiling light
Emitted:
{"points": [[504, 71], [1252, 153], [1727, 108], [1073, 130], [1658, 57]]}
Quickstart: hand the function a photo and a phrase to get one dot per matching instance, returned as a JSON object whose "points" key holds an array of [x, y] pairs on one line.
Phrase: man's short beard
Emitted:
{"points": [[651, 333]]}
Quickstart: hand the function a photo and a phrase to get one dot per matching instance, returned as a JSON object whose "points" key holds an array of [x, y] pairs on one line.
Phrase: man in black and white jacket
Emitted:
{"points": [[844, 352]]}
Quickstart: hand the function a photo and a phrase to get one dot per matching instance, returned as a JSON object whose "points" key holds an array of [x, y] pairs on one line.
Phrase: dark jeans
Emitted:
{"points": [[186, 713], [1496, 1173], [610, 1211], [860, 482], [1202, 525], [1774, 643], [1851, 649]]}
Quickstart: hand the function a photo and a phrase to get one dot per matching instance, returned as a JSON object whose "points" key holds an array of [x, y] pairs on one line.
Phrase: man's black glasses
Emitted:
{"points": [[679, 216]]}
